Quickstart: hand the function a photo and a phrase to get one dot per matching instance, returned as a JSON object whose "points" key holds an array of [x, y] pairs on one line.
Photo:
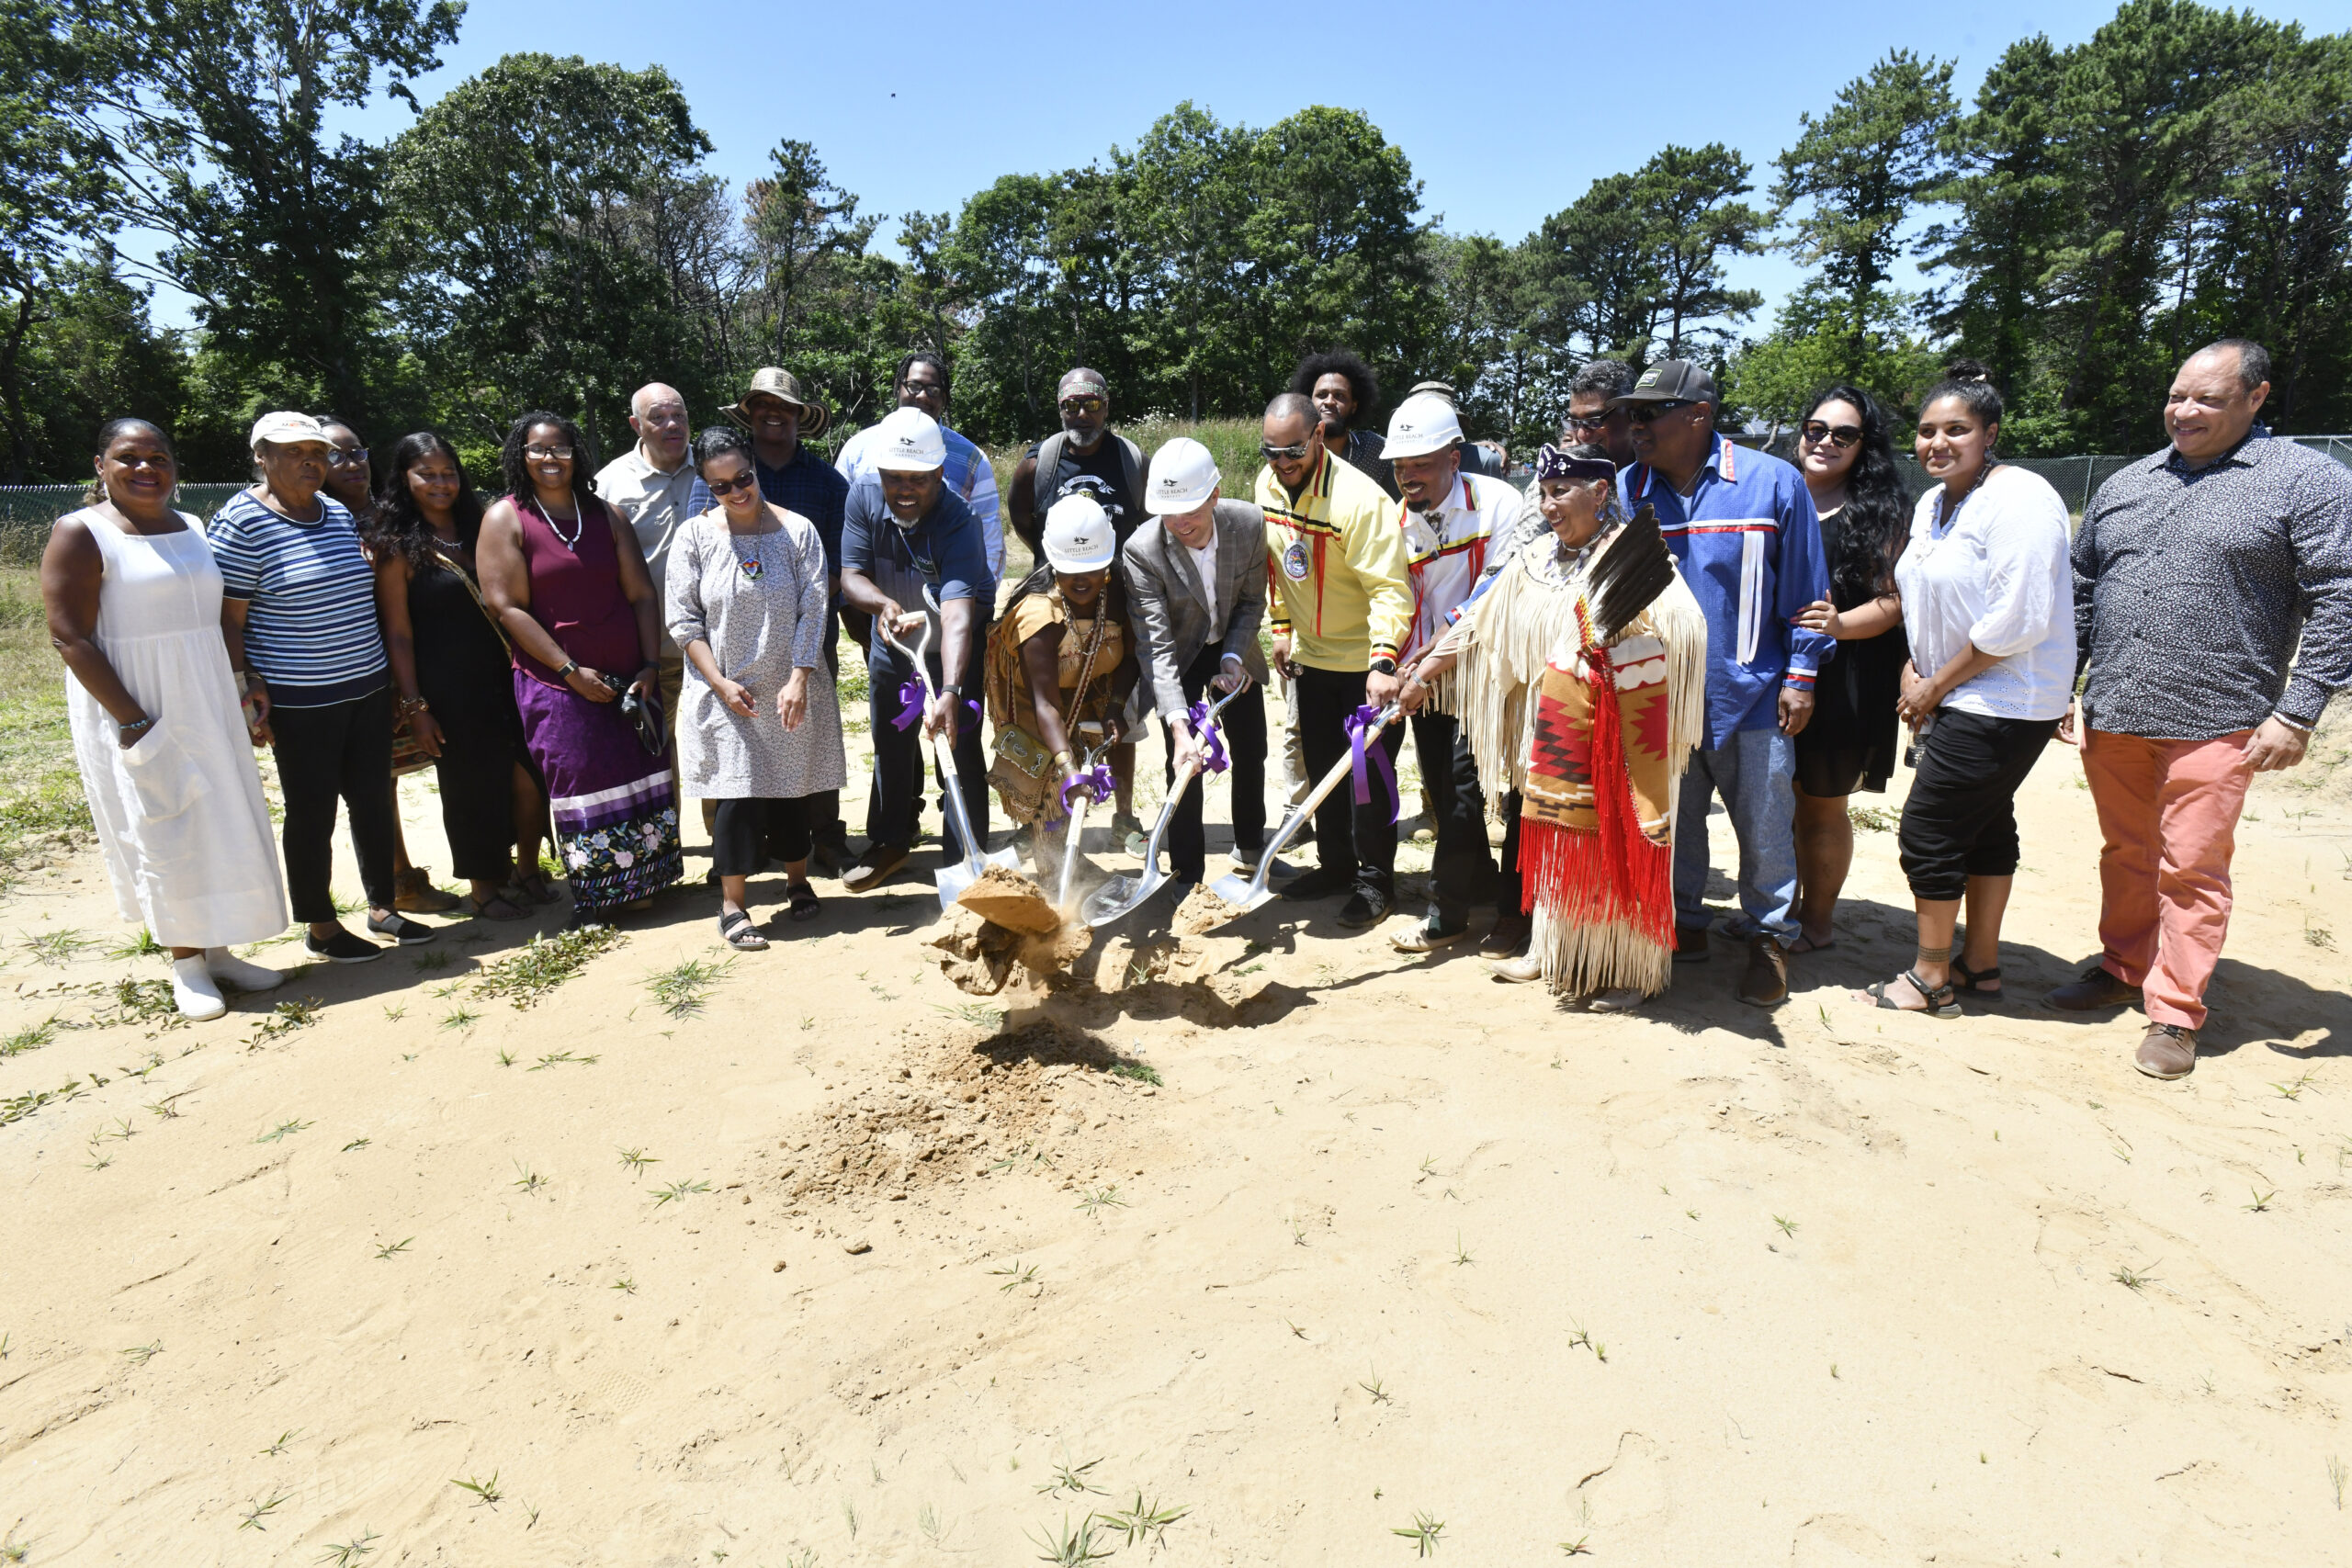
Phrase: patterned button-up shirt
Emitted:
{"points": [[2193, 586]]}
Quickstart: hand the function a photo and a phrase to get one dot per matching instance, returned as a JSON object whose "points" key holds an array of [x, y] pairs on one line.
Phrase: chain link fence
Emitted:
{"points": [[2075, 478]]}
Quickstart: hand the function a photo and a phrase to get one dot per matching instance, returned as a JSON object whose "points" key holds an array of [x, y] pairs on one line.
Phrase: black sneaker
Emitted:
{"points": [[1366, 907], [408, 933], [342, 948], [1321, 883]]}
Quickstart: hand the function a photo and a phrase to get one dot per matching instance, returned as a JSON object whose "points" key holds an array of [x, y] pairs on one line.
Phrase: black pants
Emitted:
{"points": [[1349, 839], [343, 749], [825, 807], [895, 805], [1961, 820], [1244, 723], [744, 833], [1510, 888], [1462, 872]]}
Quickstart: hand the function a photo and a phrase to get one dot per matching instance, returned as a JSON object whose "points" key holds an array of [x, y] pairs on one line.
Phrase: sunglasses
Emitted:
{"points": [[1589, 421], [1643, 413], [547, 454], [1081, 405], [1816, 432], [354, 458], [1284, 454], [728, 486]]}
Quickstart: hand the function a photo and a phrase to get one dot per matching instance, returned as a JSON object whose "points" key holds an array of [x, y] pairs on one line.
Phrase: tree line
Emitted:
{"points": [[548, 233]]}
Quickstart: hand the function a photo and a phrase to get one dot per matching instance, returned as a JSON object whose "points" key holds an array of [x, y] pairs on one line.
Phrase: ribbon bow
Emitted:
{"points": [[1210, 736], [1362, 726], [1096, 778], [912, 699]]}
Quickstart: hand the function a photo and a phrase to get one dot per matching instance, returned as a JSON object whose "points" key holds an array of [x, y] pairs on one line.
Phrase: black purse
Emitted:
{"points": [[644, 712]]}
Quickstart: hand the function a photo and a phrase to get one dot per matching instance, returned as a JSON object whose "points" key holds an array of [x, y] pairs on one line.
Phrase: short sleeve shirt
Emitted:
{"points": [[310, 629]]}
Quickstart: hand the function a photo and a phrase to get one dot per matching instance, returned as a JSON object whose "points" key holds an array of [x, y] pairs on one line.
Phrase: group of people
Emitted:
{"points": [[1660, 618]]}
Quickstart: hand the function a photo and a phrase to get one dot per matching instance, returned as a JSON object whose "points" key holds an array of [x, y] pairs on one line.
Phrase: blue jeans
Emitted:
{"points": [[1755, 771]]}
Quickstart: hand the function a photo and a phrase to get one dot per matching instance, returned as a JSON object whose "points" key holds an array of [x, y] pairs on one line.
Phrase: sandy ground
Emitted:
{"points": [[1388, 1241]]}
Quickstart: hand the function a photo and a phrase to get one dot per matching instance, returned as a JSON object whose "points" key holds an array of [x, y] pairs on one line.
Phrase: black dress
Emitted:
{"points": [[1850, 743], [463, 673]]}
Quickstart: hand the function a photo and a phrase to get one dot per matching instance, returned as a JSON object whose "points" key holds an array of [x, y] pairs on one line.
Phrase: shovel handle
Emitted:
{"points": [[1305, 809]]}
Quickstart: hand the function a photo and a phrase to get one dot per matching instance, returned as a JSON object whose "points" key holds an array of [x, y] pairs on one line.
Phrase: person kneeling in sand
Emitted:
{"points": [[1593, 735], [1060, 661]]}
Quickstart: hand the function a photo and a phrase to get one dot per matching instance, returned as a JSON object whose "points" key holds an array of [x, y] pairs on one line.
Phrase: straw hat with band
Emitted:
{"points": [[784, 387]]}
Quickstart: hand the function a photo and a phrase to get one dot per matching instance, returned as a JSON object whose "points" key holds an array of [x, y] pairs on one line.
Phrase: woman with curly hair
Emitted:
{"points": [[568, 583], [450, 664], [1847, 457]]}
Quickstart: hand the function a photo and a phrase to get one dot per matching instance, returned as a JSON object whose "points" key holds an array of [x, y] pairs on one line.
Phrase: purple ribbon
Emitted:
{"points": [[912, 699], [1096, 778], [1362, 726], [1211, 737]]}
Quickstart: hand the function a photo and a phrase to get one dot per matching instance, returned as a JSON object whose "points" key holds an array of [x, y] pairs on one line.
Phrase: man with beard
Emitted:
{"points": [[1345, 394], [1085, 458], [1449, 519]]}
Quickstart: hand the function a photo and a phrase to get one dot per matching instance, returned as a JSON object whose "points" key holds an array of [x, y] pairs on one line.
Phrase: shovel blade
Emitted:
{"points": [[953, 880], [1119, 896], [1243, 893]]}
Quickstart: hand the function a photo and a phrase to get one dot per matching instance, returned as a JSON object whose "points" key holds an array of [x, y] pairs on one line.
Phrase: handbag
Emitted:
{"points": [[643, 709]]}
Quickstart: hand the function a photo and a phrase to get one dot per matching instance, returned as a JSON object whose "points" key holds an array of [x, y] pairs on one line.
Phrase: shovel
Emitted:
{"points": [[1078, 823], [953, 879], [1246, 894], [1123, 894]]}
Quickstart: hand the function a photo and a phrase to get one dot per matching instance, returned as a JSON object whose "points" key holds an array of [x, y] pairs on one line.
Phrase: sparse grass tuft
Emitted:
{"points": [[1071, 1546], [1872, 818], [256, 1512], [1424, 1533], [1016, 1274], [56, 949], [460, 1019], [143, 945], [634, 1161], [1788, 1226], [486, 1493], [527, 1180], [1141, 1072], [139, 1355], [2261, 1203], [557, 1058], [286, 1017], [677, 1190], [1071, 1478], [685, 986], [525, 976], [277, 1134], [1103, 1198], [349, 1552], [32, 1037], [393, 1249], [2131, 1278], [1143, 1522]]}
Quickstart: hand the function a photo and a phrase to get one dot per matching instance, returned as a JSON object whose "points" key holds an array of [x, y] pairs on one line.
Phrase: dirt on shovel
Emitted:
{"points": [[1007, 898]]}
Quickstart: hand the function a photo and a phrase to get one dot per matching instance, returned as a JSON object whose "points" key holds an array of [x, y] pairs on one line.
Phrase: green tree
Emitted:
{"points": [[1186, 198], [1691, 223], [1596, 258], [1814, 343], [1335, 243], [1862, 170]]}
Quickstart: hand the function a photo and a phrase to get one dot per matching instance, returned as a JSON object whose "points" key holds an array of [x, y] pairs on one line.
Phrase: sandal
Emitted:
{"points": [[1972, 980], [1948, 1007], [735, 928], [804, 906], [536, 887], [1807, 944], [498, 909]]}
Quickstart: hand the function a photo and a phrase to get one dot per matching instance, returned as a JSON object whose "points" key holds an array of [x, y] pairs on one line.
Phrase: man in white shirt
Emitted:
{"points": [[922, 384], [1449, 519], [649, 484]]}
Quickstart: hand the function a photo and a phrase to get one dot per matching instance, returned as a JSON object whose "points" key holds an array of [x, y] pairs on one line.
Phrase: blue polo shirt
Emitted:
{"points": [[1749, 543], [945, 551]]}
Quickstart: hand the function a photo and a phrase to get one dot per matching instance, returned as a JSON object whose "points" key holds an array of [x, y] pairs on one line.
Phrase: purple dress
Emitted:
{"points": [[616, 816]]}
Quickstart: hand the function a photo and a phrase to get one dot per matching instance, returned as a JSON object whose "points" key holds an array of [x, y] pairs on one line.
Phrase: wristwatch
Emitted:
{"points": [[569, 666], [954, 691], [1384, 667]]}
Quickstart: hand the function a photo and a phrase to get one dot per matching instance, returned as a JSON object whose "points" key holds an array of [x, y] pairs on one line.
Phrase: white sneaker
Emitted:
{"points": [[239, 976], [193, 989]]}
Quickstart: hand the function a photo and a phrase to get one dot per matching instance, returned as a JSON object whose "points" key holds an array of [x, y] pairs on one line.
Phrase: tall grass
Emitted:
{"points": [[40, 787]]}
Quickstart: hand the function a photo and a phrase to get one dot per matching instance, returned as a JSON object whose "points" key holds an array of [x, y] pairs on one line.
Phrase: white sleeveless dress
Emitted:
{"points": [[180, 815]]}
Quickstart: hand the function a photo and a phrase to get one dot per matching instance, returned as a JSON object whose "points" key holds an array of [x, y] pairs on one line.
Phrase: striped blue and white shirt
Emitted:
{"points": [[311, 631]]}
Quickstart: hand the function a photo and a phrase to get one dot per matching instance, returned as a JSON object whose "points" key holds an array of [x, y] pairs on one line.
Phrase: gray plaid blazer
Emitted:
{"points": [[1170, 614]]}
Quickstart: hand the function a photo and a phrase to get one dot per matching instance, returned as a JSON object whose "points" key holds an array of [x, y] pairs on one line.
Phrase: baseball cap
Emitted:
{"points": [[284, 428], [1422, 423], [1183, 475], [784, 387], [908, 442], [1079, 536], [1672, 382]]}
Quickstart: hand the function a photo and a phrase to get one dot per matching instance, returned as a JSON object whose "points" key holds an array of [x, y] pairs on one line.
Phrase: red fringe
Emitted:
{"points": [[1615, 874]]}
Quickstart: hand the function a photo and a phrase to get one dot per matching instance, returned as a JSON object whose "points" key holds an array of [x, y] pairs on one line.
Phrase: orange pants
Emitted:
{"points": [[2168, 813]]}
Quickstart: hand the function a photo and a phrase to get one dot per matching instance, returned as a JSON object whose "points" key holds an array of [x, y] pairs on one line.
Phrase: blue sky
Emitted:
{"points": [[1507, 111]]}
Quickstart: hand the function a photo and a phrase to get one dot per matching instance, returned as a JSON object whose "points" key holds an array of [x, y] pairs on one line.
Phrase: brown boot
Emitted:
{"points": [[414, 894], [2167, 1051], [1691, 944], [2096, 989], [1766, 983]]}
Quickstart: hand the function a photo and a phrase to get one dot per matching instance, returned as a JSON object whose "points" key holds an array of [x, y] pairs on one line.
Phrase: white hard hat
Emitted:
{"points": [[1183, 475], [1079, 537], [908, 442], [1422, 423], [283, 429]]}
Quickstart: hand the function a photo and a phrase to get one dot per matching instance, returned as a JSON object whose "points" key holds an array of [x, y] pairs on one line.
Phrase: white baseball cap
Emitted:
{"points": [[1079, 536], [908, 442], [1422, 423], [284, 428], [1183, 475]]}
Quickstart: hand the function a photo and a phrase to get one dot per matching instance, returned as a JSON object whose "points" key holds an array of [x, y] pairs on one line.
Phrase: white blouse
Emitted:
{"points": [[1996, 574]]}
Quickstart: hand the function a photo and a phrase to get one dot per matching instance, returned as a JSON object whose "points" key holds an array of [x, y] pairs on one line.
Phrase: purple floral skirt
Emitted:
{"points": [[615, 816]]}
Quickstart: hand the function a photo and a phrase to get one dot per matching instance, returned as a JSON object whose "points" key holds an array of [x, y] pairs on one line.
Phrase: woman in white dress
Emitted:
{"points": [[134, 609], [759, 727]]}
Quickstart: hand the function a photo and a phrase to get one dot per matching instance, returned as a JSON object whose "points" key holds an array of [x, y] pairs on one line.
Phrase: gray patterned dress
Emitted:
{"points": [[759, 601]]}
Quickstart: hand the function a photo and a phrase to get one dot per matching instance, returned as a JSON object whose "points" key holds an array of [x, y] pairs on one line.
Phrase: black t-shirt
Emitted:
{"points": [[1101, 474]]}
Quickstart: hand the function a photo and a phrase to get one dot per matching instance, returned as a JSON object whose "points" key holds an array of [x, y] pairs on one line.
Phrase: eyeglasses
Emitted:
{"points": [[1284, 454], [728, 486], [1589, 421], [356, 458], [547, 454], [1643, 413], [1081, 405], [1816, 432]]}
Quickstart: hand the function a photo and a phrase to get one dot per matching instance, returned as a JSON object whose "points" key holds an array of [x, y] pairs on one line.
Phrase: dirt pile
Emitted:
{"points": [[1202, 912]]}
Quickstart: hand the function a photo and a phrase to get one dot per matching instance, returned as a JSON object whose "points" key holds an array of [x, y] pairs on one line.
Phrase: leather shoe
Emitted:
{"points": [[1321, 883], [414, 894], [2095, 989], [1691, 944], [1508, 938], [1428, 937], [1766, 983], [1366, 907], [2167, 1051], [1517, 971], [875, 866]]}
